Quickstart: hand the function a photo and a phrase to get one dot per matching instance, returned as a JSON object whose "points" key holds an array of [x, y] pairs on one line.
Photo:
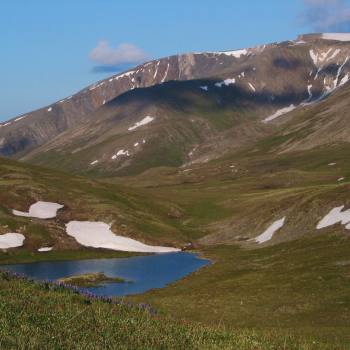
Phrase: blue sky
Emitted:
{"points": [[46, 51]]}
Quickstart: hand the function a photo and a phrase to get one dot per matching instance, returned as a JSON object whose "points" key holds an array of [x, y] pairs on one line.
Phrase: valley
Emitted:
{"points": [[246, 167]]}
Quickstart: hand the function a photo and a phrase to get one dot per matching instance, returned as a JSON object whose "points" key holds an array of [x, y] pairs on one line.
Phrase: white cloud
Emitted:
{"points": [[327, 15], [125, 53]]}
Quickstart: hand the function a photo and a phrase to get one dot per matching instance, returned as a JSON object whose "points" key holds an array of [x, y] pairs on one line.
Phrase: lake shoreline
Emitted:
{"points": [[25, 257]]}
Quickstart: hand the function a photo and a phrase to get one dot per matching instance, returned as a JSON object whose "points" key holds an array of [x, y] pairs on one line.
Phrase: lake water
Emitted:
{"points": [[145, 272]]}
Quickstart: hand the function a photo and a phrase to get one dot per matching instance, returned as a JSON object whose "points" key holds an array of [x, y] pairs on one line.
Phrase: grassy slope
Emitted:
{"points": [[239, 202], [301, 287], [130, 211], [36, 316]]}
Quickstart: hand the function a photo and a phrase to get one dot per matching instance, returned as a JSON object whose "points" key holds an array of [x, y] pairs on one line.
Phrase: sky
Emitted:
{"points": [[51, 49]]}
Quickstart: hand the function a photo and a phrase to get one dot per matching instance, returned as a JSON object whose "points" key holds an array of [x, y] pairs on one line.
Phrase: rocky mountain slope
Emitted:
{"points": [[181, 109]]}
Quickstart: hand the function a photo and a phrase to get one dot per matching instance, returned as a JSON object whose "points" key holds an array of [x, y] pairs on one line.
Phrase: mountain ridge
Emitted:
{"points": [[217, 91]]}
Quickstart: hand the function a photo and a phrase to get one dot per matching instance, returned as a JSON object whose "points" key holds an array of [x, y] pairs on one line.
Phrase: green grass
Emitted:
{"points": [[38, 316], [157, 153]]}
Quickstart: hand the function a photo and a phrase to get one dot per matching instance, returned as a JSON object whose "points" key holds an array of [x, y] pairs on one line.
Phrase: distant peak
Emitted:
{"points": [[336, 36], [324, 36]]}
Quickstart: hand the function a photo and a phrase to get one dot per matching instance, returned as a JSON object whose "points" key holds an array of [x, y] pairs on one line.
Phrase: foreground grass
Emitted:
{"points": [[41, 316]]}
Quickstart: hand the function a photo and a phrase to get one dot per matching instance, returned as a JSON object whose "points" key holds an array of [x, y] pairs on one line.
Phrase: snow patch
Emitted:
{"points": [[252, 87], [156, 72], [45, 249], [20, 118], [235, 53], [341, 179], [318, 72], [127, 74], [307, 101], [99, 235], [6, 124], [11, 240], [272, 229], [226, 82], [319, 57], [313, 56], [166, 73], [144, 121], [339, 72], [40, 210], [279, 113], [121, 152], [336, 215], [49, 109], [309, 88], [204, 87], [94, 162], [344, 80], [334, 54]]}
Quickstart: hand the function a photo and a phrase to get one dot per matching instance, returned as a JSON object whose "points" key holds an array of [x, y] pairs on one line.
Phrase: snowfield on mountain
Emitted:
{"points": [[99, 235], [40, 210], [336, 215], [11, 240], [270, 231]]}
